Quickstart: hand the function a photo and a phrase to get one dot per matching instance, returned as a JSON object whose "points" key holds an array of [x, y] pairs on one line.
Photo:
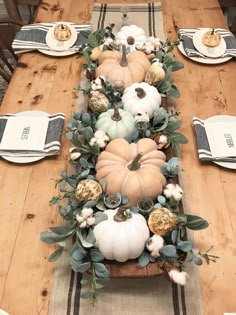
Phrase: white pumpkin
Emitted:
{"points": [[116, 123], [141, 97], [131, 36], [124, 239]]}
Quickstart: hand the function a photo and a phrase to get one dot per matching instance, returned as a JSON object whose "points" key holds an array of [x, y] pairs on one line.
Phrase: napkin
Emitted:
{"points": [[33, 36], [191, 51], [52, 143], [204, 151]]}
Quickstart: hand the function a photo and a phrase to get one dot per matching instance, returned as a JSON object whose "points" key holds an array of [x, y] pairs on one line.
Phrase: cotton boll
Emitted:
{"points": [[179, 277], [154, 244], [86, 212]]}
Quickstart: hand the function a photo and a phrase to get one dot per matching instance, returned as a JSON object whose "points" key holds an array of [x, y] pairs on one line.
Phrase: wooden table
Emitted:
{"points": [[46, 84]]}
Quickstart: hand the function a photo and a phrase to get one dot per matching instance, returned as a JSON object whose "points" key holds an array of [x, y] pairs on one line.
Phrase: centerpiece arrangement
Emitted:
{"points": [[120, 200]]}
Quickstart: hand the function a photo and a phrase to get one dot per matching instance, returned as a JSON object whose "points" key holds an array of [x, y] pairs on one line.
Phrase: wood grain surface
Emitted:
{"points": [[47, 84]]}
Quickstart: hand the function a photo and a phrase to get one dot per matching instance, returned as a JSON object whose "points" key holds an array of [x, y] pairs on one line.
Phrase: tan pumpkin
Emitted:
{"points": [[211, 38], [132, 169], [129, 68]]}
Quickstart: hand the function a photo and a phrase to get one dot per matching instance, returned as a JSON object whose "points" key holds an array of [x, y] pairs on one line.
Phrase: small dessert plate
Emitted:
{"points": [[211, 52], [59, 45]]}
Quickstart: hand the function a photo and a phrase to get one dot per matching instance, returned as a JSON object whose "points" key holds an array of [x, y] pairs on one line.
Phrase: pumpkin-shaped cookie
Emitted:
{"points": [[129, 68], [132, 169]]}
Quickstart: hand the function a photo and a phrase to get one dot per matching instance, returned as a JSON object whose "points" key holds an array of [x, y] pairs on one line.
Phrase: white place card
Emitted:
{"points": [[222, 138], [25, 133]]}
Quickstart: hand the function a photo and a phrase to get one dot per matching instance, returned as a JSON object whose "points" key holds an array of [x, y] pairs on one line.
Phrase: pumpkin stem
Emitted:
{"points": [[120, 215], [123, 62], [116, 116], [135, 164], [213, 31], [140, 92]]}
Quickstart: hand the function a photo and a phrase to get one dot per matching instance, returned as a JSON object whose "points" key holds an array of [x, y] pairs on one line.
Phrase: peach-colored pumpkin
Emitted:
{"points": [[130, 68], [115, 162]]}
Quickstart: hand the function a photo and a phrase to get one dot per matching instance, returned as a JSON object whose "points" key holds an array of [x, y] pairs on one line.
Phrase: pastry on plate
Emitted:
{"points": [[211, 38], [62, 32]]}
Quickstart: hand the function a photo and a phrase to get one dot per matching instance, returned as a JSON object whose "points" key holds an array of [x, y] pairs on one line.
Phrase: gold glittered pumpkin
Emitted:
{"points": [[98, 102], [155, 73], [88, 189], [211, 38], [129, 68], [162, 221]]}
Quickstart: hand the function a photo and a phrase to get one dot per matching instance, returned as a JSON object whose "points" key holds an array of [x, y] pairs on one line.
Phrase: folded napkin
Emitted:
{"points": [[52, 143], [33, 36], [191, 51], [204, 151]]}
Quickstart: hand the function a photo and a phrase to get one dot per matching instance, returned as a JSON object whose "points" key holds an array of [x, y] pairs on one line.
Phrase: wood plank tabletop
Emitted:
{"points": [[46, 84]]}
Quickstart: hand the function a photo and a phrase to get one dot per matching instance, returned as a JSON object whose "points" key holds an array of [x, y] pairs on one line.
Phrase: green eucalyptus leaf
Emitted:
{"points": [[103, 183], [88, 133], [86, 295], [78, 255], [197, 260], [83, 162], [83, 239], [90, 204], [144, 259], [96, 255], [99, 217], [196, 223], [83, 282], [169, 250], [85, 173], [173, 125], [185, 246], [56, 254], [90, 237], [62, 230], [101, 270], [174, 235], [86, 118], [84, 267], [174, 92], [164, 86], [100, 205], [51, 238], [177, 65], [98, 286], [168, 73]]}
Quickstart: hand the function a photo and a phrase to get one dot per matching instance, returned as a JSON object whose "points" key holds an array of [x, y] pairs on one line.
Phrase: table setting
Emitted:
{"points": [[54, 39], [30, 136], [193, 47]]}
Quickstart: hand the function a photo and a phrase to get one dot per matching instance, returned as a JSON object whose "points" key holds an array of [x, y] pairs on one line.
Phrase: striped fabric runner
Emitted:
{"points": [[187, 36], [52, 143], [204, 151], [33, 36], [145, 15], [144, 296]]}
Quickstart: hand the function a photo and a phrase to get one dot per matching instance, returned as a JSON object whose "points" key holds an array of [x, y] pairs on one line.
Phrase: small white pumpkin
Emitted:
{"points": [[131, 36], [120, 238], [116, 123], [141, 97]]}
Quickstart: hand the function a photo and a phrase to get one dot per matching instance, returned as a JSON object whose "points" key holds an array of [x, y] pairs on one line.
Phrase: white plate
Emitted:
{"points": [[2, 312], [57, 53], [59, 45], [209, 61], [220, 119], [212, 52], [26, 159]]}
